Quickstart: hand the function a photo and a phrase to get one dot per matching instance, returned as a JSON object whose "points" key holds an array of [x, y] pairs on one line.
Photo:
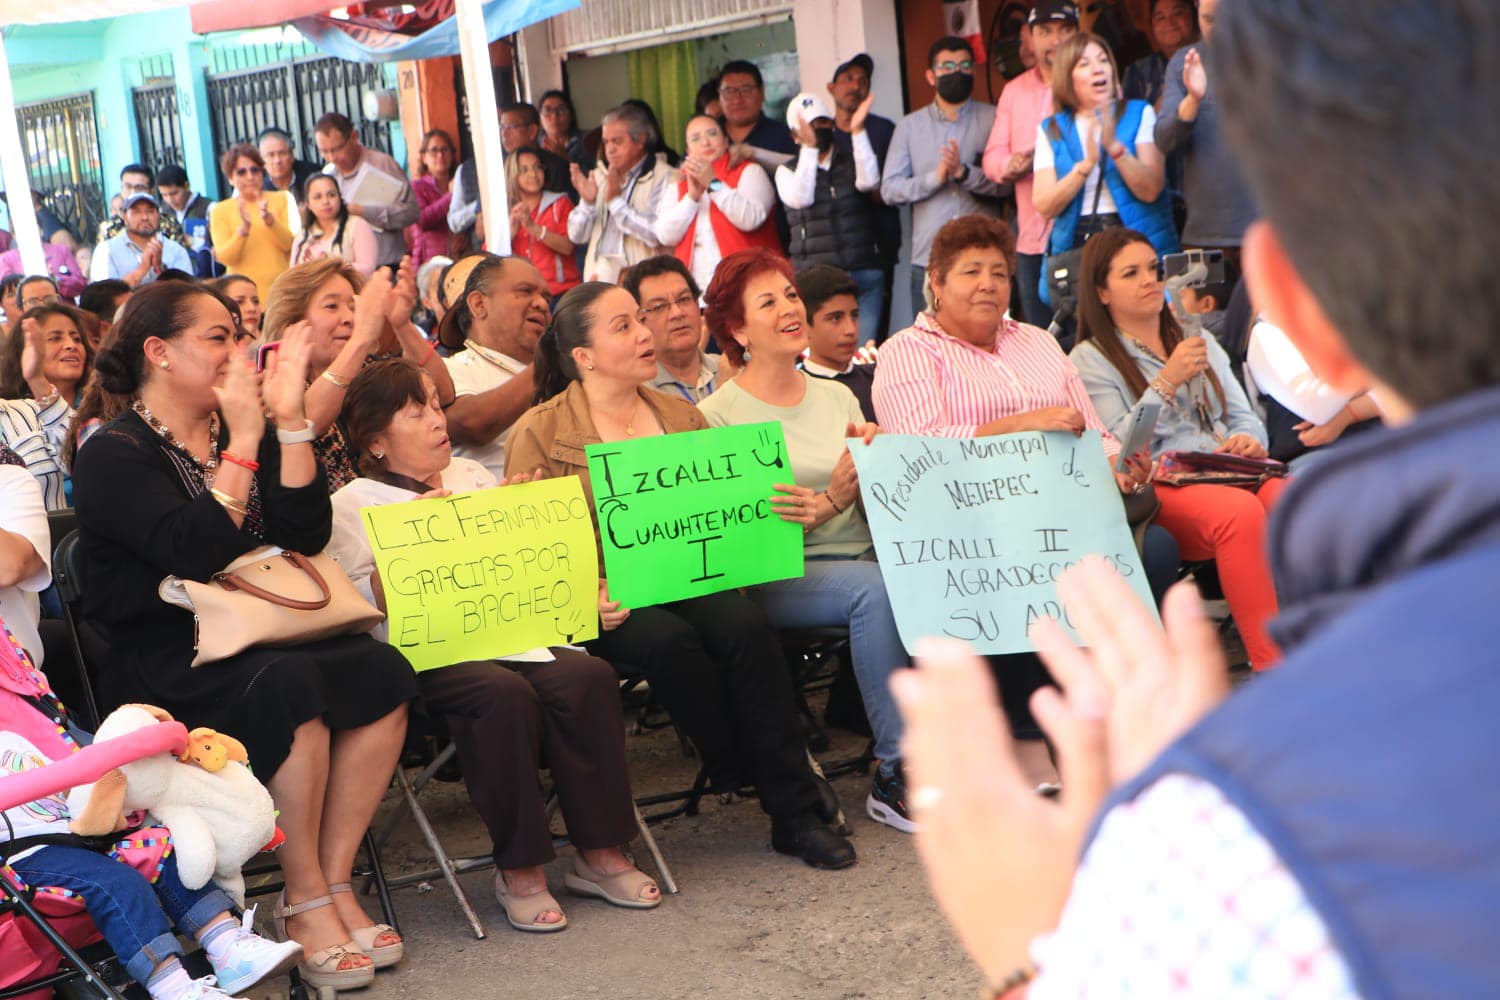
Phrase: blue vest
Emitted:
{"points": [[1152, 219], [1364, 760]]}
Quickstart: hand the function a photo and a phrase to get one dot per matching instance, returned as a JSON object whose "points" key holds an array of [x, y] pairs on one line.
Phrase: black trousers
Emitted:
{"points": [[716, 666], [509, 719]]}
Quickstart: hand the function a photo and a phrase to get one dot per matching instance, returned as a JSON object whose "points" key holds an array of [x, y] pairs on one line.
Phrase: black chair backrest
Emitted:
{"points": [[67, 574], [61, 523]]}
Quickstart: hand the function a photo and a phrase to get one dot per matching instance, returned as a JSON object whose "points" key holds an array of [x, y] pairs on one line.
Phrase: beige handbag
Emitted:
{"points": [[269, 597]]}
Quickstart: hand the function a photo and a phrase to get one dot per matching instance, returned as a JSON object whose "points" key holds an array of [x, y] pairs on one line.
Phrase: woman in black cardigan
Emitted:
{"points": [[188, 479]]}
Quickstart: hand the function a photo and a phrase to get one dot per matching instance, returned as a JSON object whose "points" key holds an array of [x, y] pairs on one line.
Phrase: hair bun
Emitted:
{"points": [[114, 374]]}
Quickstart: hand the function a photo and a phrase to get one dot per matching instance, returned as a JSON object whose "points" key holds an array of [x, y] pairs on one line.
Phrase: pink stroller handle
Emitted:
{"points": [[89, 763]]}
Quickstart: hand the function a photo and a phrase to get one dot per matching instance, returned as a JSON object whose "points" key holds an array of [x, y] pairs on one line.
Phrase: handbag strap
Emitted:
{"points": [[233, 581]]}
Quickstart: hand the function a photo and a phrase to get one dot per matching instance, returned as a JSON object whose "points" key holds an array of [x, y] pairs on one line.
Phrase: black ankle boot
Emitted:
{"points": [[810, 840]]}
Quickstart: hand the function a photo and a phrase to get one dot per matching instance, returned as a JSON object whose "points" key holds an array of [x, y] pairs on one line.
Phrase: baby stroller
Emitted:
{"points": [[41, 929]]}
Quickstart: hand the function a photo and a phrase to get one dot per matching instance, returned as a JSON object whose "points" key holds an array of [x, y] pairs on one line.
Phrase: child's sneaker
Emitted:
{"points": [[246, 958], [204, 989]]}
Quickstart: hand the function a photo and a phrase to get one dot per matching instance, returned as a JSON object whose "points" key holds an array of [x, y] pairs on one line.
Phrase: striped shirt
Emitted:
{"points": [[37, 435], [929, 382]]}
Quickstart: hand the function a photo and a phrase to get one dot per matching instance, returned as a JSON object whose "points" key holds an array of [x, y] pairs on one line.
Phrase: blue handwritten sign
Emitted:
{"points": [[973, 534]]}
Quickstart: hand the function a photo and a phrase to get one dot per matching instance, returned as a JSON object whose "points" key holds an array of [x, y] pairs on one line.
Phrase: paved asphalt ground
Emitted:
{"points": [[747, 922]]}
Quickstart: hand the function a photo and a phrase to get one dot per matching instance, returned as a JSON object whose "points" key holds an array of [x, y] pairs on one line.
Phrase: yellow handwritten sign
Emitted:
{"points": [[484, 575]]}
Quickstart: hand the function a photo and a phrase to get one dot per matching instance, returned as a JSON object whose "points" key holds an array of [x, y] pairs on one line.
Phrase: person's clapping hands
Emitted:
{"points": [[283, 387], [1000, 858]]}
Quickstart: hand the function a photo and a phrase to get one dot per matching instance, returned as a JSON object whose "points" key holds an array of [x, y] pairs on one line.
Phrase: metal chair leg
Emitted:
{"points": [[444, 861], [387, 908], [668, 882]]}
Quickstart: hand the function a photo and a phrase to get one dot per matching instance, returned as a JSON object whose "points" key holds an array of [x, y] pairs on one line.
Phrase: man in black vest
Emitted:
{"points": [[831, 216]]}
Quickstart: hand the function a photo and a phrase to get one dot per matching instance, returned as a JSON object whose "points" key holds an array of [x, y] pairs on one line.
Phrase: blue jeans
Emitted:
{"points": [[129, 911], [871, 300], [1028, 276], [848, 592]]}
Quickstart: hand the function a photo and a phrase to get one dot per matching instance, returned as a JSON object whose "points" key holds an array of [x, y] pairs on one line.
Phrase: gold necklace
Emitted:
{"points": [[629, 423], [166, 435]]}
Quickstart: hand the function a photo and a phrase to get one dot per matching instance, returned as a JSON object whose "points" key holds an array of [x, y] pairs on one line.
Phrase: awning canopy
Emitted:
{"points": [[232, 15]]}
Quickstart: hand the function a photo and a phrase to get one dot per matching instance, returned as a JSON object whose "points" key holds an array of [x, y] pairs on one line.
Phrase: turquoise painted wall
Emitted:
{"points": [[105, 58]]}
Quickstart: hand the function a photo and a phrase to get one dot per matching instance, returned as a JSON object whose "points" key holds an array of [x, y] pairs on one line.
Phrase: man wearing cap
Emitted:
{"points": [[830, 214], [849, 88], [1024, 103], [493, 329], [136, 178], [933, 164], [139, 253]]}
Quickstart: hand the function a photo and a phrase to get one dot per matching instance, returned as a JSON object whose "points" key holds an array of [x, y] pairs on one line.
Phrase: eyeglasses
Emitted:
{"points": [[438, 149], [686, 302], [330, 152], [553, 110], [32, 301], [967, 66], [742, 91], [246, 171]]}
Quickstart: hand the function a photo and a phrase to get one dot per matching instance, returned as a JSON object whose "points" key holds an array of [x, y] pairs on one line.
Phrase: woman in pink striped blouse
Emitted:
{"points": [[965, 370]]}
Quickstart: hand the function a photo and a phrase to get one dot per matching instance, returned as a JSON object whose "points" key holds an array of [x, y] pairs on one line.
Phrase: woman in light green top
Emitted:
{"points": [[758, 321]]}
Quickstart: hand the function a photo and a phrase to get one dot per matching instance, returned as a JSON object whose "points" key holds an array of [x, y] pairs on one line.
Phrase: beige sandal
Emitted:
{"points": [[384, 956], [337, 967], [624, 888], [522, 911]]}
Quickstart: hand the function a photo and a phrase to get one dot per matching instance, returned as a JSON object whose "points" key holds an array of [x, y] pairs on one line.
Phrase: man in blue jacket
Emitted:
{"points": [[1328, 831]]}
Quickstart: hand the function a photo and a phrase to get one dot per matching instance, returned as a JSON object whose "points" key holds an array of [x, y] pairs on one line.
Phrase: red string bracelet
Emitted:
{"points": [[244, 463], [431, 350]]}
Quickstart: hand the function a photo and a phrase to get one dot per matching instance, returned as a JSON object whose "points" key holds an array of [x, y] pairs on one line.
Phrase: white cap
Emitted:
{"points": [[810, 106]]}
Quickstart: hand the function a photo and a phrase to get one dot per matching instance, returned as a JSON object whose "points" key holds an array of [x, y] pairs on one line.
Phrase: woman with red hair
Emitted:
{"points": [[713, 661], [757, 318]]}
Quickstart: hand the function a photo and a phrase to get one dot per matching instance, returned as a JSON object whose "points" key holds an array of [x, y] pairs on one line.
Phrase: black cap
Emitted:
{"points": [[1053, 10], [862, 60]]}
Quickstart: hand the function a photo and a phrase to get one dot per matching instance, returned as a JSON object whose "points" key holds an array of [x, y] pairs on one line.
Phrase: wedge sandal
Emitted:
{"points": [[625, 888]]}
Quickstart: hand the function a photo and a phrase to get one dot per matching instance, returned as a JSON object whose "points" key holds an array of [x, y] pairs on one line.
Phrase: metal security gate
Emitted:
{"points": [[293, 96], [156, 124], [62, 160]]}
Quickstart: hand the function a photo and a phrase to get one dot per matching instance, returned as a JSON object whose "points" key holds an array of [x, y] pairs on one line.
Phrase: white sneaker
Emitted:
{"points": [[249, 958], [204, 989]]}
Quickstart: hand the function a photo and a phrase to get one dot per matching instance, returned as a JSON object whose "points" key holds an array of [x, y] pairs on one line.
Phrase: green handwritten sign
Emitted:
{"points": [[483, 575], [683, 515], [972, 534]]}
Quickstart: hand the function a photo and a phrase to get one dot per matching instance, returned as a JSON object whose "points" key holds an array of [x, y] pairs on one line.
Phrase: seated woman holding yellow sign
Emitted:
{"points": [[713, 661], [757, 318], [501, 714]]}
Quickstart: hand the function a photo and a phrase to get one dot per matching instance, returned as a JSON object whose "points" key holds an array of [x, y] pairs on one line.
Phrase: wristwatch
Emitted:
{"points": [[303, 436], [963, 177]]}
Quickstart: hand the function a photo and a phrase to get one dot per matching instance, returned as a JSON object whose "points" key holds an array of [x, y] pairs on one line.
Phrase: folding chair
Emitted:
{"points": [[450, 868], [816, 657]]}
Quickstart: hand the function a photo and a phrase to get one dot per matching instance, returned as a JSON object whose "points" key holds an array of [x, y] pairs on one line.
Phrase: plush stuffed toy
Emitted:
{"points": [[218, 814]]}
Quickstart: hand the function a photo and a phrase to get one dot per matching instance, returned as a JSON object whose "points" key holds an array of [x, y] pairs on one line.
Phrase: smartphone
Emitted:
{"points": [[1137, 436], [263, 352]]}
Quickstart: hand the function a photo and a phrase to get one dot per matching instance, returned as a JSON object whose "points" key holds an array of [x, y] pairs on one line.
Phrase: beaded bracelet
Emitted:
{"points": [[833, 503], [244, 463], [1001, 990]]}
